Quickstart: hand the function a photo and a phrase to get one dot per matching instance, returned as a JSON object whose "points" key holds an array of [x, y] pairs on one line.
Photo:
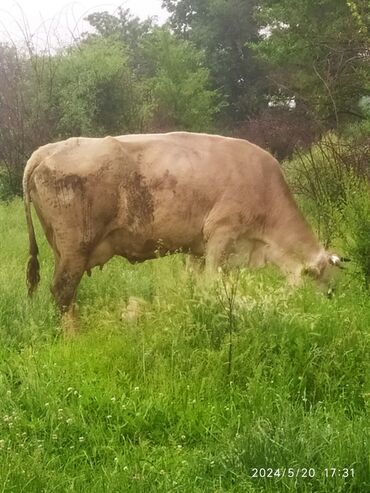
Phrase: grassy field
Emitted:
{"points": [[152, 405]]}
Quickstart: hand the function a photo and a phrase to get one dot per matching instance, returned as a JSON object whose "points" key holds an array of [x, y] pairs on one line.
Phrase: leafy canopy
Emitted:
{"points": [[318, 50], [222, 30]]}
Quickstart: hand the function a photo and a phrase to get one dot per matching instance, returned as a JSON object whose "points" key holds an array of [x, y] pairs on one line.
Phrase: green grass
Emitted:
{"points": [[149, 406]]}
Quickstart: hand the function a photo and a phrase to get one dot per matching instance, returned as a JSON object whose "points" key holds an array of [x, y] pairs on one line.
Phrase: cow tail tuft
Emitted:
{"points": [[33, 266]]}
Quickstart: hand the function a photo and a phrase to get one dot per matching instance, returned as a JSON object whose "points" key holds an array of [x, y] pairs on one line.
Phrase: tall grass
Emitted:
{"points": [[152, 405]]}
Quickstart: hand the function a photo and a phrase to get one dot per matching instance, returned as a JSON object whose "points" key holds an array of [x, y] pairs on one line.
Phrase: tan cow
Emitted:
{"points": [[215, 197]]}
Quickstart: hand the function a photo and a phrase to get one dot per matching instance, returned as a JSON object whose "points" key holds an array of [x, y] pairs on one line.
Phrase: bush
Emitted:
{"points": [[280, 130], [179, 84], [357, 220], [7, 188], [317, 177], [323, 176]]}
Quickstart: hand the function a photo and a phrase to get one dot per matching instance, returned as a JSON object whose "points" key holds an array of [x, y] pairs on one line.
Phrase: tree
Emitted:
{"points": [[223, 29], [319, 52], [27, 119], [97, 91], [11, 115], [123, 26], [171, 73], [178, 83]]}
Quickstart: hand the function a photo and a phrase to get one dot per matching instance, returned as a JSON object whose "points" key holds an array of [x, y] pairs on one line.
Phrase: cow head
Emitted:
{"points": [[324, 270]]}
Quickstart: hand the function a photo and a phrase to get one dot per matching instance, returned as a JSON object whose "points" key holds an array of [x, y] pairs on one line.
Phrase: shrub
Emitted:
{"points": [[357, 220], [280, 130], [317, 177], [179, 84], [7, 188], [323, 176]]}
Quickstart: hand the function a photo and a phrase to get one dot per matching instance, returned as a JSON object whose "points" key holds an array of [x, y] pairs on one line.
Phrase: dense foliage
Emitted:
{"points": [[320, 53], [224, 30]]}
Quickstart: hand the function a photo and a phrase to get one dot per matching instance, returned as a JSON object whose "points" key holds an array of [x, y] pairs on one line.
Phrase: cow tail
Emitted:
{"points": [[33, 266]]}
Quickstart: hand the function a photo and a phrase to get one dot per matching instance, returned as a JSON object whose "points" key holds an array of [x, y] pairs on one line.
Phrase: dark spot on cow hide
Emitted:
{"points": [[165, 182], [140, 207], [74, 181]]}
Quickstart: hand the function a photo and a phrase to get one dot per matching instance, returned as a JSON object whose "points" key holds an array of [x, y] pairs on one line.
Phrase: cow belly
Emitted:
{"points": [[101, 254], [137, 248], [117, 242]]}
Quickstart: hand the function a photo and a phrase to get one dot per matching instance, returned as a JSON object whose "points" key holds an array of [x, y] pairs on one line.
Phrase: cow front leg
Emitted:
{"points": [[219, 247], [194, 264]]}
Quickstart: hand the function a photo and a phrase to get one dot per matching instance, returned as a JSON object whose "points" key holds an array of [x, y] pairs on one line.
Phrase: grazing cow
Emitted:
{"points": [[138, 196]]}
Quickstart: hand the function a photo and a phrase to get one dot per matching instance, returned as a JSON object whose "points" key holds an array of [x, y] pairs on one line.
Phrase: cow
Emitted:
{"points": [[140, 196]]}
